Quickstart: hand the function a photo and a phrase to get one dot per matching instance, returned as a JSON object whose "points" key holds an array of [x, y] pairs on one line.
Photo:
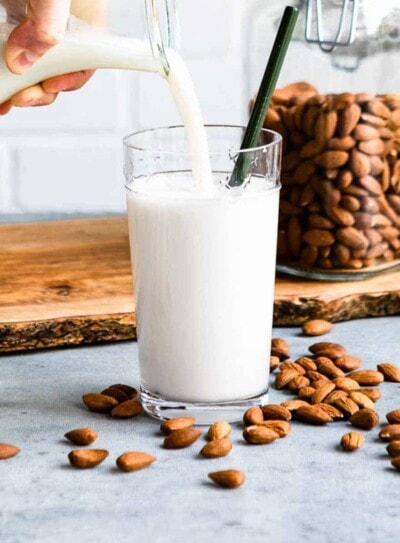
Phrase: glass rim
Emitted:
{"points": [[277, 140]]}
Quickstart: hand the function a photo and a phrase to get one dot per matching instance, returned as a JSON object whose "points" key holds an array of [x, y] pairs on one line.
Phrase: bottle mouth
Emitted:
{"points": [[162, 27]]}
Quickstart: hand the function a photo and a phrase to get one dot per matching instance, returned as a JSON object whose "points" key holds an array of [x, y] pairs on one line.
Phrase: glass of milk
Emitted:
{"points": [[203, 261]]}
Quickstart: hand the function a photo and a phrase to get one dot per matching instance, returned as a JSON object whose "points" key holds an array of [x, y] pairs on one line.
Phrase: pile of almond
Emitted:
{"points": [[340, 198]]}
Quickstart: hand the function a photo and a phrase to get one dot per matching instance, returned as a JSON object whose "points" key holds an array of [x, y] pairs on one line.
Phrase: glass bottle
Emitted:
{"points": [[338, 110]]}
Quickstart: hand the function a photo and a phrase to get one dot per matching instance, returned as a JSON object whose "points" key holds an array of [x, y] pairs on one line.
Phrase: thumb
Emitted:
{"points": [[43, 28]]}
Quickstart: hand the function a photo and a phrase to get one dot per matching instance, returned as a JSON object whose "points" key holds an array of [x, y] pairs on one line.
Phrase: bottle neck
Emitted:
{"points": [[162, 27]]}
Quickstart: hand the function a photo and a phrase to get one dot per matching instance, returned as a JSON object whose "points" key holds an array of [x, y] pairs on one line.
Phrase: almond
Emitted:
{"points": [[331, 410], [82, 436], [179, 439], [352, 441], [115, 393], [316, 376], [328, 368], [335, 395], [390, 432], [306, 363], [8, 451], [365, 132], [259, 435], [229, 478], [292, 366], [280, 348], [348, 363], [394, 448], [306, 393], [134, 461], [131, 392], [326, 125], [390, 372], [217, 448], [219, 430], [347, 406], [281, 427], [322, 392], [298, 382], [331, 159], [293, 405], [273, 363], [275, 412], [346, 384], [396, 462], [365, 418], [180, 423], [127, 410], [361, 399], [373, 394], [324, 346], [284, 377], [393, 417], [341, 144], [372, 147], [253, 415], [319, 238], [87, 458], [348, 119], [313, 414], [99, 403], [317, 327], [352, 238], [359, 163], [367, 377]]}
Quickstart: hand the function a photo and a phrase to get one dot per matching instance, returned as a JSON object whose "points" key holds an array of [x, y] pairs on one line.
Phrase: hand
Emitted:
{"points": [[43, 28]]}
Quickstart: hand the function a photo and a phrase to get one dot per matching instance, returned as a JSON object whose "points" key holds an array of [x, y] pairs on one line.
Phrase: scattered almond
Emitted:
{"points": [[131, 392], [229, 478], [373, 394], [322, 392], [335, 395], [293, 405], [281, 427], [365, 419], [361, 400], [346, 384], [99, 403], [306, 363], [219, 430], [82, 436], [306, 393], [298, 382], [217, 448], [396, 462], [327, 367], [352, 441], [394, 448], [127, 410], [275, 412], [284, 377], [87, 458], [367, 377], [116, 393], [316, 376], [273, 363], [259, 435], [180, 423], [8, 451], [313, 414], [323, 346], [253, 415], [347, 406], [179, 439], [393, 417], [280, 348], [348, 362], [331, 410], [390, 372], [292, 366], [317, 327], [390, 432], [134, 461]]}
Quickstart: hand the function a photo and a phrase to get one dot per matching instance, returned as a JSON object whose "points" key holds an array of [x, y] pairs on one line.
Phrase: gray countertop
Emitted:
{"points": [[298, 489]]}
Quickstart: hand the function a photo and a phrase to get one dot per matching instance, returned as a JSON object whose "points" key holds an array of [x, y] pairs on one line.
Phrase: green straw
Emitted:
{"points": [[264, 95]]}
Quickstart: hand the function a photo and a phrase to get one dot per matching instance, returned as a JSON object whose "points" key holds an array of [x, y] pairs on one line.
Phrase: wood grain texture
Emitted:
{"points": [[69, 283]]}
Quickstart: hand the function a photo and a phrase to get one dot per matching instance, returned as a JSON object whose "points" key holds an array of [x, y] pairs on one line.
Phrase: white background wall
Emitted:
{"points": [[68, 156]]}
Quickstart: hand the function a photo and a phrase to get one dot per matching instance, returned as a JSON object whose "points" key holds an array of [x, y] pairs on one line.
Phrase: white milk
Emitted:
{"points": [[88, 48], [204, 278]]}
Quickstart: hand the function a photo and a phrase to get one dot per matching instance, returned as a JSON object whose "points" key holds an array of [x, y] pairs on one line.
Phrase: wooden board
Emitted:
{"points": [[69, 283]]}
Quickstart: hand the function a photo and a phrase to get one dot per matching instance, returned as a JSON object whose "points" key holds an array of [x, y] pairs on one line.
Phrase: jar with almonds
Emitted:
{"points": [[337, 107]]}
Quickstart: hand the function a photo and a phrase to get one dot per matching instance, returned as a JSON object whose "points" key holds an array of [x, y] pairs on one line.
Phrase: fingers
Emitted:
{"points": [[34, 96], [43, 28], [67, 82]]}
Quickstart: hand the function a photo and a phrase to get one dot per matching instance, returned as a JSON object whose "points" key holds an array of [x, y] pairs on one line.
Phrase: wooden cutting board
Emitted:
{"points": [[69, 283]]}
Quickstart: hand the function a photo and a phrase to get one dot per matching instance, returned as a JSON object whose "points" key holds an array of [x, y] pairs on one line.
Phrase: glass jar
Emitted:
{"points": [[338, 110]]}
